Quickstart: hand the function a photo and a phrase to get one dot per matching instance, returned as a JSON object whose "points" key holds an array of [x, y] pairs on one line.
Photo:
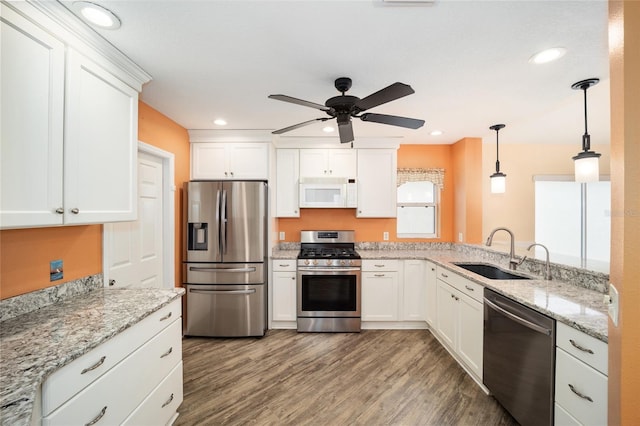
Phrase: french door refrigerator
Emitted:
{"points": [[224, 264]]}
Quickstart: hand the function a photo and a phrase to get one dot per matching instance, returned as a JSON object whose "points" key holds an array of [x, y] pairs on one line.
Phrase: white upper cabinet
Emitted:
{"points": [[233, 161], [287, 175], [328, 163], [376, 183], [69, 122], [32, 70]]}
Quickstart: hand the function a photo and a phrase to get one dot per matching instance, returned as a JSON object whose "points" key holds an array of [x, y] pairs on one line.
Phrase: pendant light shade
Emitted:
{"points": [[587, 167], [498, 179]]}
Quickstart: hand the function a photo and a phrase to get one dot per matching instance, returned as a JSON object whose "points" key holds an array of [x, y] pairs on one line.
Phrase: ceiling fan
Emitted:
{"points": [[344, 107]]}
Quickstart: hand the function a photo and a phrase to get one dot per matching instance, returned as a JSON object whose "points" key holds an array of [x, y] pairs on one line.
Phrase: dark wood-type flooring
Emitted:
{"points": [[376, 377]]}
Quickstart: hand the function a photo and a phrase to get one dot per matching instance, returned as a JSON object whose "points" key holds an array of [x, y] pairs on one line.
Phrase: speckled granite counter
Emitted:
{"points": [[579, 306], [35, 344]]}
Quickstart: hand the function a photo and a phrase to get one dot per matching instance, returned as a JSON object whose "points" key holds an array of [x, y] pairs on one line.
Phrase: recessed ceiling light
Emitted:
{"points": [[97, 15], [220, 122], [548, 55], [328, 129], [436, 133]]}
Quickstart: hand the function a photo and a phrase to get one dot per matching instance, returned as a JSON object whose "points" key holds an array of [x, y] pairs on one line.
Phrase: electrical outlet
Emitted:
{"points": [[385, 236], [460, 237], [281, 235], [55, 270], [614, 304]]}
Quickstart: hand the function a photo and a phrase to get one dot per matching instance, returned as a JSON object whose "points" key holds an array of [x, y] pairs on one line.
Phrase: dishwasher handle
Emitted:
{"points": [[521, 321]]}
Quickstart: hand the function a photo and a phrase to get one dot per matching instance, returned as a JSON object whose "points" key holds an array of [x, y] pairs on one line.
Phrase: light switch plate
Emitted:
{"points": [[614, 304], [385, 236], [281, 236]]}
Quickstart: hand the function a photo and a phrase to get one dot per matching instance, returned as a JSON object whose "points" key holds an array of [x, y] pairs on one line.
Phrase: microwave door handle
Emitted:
{"points": [[223, 222]]}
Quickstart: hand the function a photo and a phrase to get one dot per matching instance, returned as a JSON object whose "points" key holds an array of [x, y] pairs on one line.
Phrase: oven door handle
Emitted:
{"points": [[521, 321], [328, 269]]}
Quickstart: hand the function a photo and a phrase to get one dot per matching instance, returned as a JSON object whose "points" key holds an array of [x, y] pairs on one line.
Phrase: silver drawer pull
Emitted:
{"points": [[168, 401], [283, 266], [579, 393], [167, 353], [94, 366], [75, 210], [166, 317], [379, 266], [469, 288], [444, 275], [580, 348], [378, 275], [98, 417]]}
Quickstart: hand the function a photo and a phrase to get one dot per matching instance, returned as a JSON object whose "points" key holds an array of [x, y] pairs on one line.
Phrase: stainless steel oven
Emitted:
{"points": [[328, 283]]}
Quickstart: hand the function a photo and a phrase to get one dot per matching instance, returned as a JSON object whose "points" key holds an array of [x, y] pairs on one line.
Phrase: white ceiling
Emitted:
{"points": [[466, 60]]}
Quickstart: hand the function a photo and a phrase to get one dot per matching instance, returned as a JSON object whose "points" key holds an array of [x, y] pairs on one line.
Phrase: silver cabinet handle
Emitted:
{"points": [[226, 174], [469, 288], [112, 283], [75, 210], [60, 210], [167, 353], [166, 317], [444, 275], [580, 348], [293, 278], [580, 394], [379, 266], [283, 266], [378, 275], [94, 366], [433, 269], [168, 401], [98, 417]]}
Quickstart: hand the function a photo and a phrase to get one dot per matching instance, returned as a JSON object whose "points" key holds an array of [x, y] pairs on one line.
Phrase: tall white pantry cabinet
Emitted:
{"points": [[69, 121]]}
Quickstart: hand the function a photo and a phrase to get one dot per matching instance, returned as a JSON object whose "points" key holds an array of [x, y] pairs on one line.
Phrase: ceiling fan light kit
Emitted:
{"points": [[345, 107], [587, 167], [498, 179]]}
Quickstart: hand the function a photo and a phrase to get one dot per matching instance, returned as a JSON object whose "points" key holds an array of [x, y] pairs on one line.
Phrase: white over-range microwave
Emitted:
{"points": [[328, 192]]}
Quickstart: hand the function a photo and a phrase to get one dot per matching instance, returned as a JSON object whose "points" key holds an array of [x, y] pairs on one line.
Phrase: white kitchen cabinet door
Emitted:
{"points": [[284, 296], [431, 294], [213, 160], [380, 296], [447, 315], [470, 333], [100, 152], [376, 183], [414, 290], [328, 163], [287, 176], [32, 113]]}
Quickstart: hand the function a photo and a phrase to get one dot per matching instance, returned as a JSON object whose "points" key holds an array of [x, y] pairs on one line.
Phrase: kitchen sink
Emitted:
{"points": [[490, 271]]}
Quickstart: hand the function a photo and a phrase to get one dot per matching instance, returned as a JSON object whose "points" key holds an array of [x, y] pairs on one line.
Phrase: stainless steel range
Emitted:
{"points": [[328, 282]]}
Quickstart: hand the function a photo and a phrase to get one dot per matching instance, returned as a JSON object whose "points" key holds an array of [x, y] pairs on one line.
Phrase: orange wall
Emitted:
{"points": [[409, 156], [158, 130], [624, 339], [25, 253], [467, 181]]}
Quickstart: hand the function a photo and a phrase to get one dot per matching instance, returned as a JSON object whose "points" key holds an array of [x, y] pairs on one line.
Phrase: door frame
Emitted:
{"points": [[168, 216]]}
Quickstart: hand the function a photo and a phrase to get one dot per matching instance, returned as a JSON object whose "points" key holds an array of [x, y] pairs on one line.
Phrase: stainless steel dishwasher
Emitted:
{"points": [[519, 358]]}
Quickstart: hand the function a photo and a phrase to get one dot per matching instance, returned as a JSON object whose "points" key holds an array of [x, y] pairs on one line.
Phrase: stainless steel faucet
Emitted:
{"points": [[513, 260], [547, 270]]}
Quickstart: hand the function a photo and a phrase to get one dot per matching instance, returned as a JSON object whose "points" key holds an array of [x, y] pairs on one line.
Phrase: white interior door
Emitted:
{"points": [[134, 250]]}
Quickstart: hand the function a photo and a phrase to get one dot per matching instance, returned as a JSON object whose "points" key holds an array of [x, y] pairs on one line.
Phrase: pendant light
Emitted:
{"points": [[498, 179], [586, 162]]}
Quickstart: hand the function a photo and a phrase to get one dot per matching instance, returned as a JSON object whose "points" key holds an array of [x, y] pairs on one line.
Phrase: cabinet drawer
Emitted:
{"points": [[60, 386], [584, 347], [159, 407], [119, 391], [591, 407], [284, 264], [562, 418], [380, 265], [468, 287]]}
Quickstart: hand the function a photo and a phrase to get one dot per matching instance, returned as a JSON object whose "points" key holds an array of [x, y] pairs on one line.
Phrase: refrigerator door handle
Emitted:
{"points": [[223, 223], [241, 292], [218, 221], [200, 269]]}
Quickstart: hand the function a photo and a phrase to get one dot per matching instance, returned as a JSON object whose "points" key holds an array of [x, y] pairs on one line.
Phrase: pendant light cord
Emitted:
{"points": [[586, 139], [497, 151]]}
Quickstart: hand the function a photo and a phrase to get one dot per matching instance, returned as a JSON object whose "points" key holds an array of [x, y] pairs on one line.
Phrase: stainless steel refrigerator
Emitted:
{"points": [[225, 264]]}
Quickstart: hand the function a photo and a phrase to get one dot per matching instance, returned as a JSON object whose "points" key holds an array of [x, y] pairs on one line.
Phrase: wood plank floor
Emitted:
{"points": [[376, 377]]}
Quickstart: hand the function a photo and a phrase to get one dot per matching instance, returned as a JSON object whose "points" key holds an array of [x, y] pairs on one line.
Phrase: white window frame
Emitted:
{"points": [[435, 204]]}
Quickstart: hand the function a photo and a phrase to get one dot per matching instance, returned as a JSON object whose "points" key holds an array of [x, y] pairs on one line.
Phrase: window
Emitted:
{"points": [[417, 206]]}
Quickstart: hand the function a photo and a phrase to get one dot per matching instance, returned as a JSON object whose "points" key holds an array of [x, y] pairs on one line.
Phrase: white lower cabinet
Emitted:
{"points": [[380, 290], [581, 378], [283, 306], [460, 319], [414, 290], [138, 375]]}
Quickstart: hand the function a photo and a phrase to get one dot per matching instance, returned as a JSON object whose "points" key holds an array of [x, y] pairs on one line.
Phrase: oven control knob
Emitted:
{"points": [[329, 262], [315, 261], [306, 261], [343, 262]]}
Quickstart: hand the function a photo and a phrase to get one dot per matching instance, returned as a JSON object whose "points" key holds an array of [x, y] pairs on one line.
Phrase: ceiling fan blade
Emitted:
{"points": [[388, 94], [411, 123], [297, 126], [346, 132], [297, 101]]}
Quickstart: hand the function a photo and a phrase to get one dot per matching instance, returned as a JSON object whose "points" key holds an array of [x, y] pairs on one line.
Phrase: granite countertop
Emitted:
{"points": [[36, 344], [575, 306]]}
